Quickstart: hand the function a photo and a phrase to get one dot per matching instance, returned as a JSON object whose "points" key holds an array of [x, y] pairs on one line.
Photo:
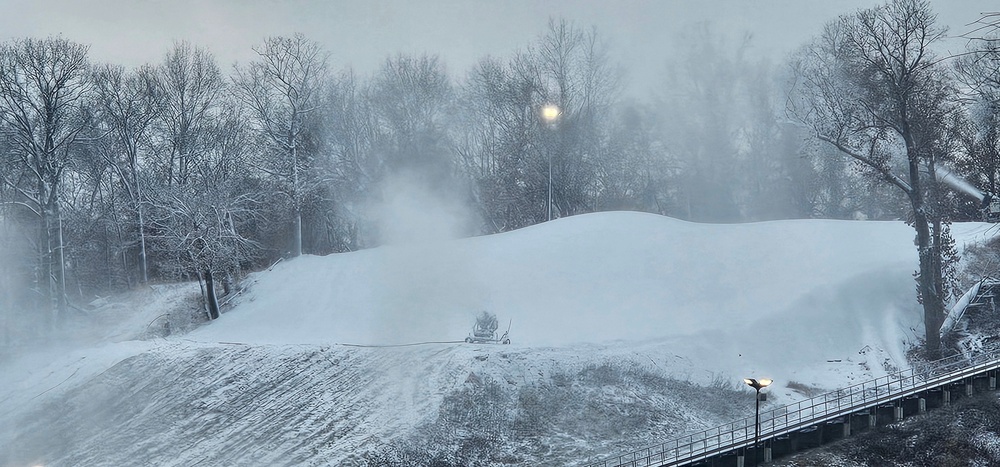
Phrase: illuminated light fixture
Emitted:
{"points": [[757, 384], [550, 113]]}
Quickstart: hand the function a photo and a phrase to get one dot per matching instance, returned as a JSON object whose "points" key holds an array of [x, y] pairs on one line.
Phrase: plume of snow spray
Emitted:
{"points": [[957, 182]]}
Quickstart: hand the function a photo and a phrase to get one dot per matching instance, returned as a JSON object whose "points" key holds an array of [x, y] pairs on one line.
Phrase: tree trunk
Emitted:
{"points": [[928, 279], [297, 246], [142, 229], [61, 271], [210, 298], [45, 273], [296, 195], [124, 251], [930, 297]]}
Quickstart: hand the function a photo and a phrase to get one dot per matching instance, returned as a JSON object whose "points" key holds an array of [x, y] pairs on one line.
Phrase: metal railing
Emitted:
{"points": [[809, 412]]}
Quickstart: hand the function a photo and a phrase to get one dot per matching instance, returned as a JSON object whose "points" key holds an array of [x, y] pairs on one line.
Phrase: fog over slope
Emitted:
{"points": [[822, 288], [612, 317]]}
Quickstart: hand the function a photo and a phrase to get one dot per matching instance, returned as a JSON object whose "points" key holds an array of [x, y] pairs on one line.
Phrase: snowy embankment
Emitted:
{"points": [[619, 309], [765, 298]]}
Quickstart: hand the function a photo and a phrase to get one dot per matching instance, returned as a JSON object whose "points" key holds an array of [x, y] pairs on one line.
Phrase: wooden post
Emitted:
{"points": [[921, 405], [945, 398]]}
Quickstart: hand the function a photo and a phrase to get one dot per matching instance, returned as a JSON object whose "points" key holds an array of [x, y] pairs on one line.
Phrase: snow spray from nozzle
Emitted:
{"points": [[959, 184], [989, 204]]}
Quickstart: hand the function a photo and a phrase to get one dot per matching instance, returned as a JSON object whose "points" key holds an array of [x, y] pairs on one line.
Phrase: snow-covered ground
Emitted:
{"points": [[774, 298], [624, 310]]}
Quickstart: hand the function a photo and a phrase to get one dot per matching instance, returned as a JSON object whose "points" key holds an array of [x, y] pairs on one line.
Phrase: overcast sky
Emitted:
{"points": [[362, 33]]}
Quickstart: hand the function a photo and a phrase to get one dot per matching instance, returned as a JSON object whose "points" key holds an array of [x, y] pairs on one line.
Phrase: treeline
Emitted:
{"points": [[112, 177]]}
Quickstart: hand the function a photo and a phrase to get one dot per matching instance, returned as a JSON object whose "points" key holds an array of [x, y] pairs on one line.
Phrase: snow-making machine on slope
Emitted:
{"points": [[990, 207], [989, 202], [485, 330]]}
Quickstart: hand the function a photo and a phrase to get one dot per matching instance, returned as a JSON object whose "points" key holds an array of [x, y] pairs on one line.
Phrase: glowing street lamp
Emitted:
{"points": [[550, 114], [757, 384]]}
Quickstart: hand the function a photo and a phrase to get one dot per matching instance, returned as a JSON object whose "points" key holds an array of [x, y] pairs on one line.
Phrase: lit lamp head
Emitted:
{"points": [[550, 113], [757, 384]]}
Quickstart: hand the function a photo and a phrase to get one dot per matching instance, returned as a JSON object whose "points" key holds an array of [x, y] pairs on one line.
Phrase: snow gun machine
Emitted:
{"points": [[485, 330], [990, 207]]}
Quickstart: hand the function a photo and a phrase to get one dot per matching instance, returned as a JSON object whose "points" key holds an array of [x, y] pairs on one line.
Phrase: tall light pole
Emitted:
{"points": [[757, 384], [550, 114]]}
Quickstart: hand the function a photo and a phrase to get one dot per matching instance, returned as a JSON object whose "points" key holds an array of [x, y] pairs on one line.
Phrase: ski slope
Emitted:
{"points": [[611, 308], [773, 297]]}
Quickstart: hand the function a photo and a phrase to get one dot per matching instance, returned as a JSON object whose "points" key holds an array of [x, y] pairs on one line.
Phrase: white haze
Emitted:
{"points": [[415, 220], [15, 321], [947, 176], [410, 211], [828, 302], [6, 286], [361, 33]]}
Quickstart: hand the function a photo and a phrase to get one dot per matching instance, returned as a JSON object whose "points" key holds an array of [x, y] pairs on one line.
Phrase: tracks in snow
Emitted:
{"points": [[182, 404]]}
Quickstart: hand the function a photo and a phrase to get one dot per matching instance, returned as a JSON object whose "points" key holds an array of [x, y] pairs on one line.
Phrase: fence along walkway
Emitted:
{"points": [[810, 412]]}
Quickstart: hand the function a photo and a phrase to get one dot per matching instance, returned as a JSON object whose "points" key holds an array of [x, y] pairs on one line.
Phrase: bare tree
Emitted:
{"points": [[985, 28], [870, 87], [524, 167], [128, 104], [411, 97], [43, 87], [205, 228], [500, 141], [213, 226], [577, 76], [979, 133], [704, 111], [633, 171], [192, 85], [355, 166], [282, 89]]}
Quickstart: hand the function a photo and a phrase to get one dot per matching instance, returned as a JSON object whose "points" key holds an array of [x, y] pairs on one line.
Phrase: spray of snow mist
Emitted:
{"points": [[957, 182]]}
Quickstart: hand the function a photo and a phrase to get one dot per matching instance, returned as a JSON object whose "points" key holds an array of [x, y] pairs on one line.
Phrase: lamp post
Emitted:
{"points": [[550, 113], [757, 384]]}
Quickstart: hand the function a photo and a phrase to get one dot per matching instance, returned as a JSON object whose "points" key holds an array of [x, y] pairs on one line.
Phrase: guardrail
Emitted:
{"points": [[809, 412]]}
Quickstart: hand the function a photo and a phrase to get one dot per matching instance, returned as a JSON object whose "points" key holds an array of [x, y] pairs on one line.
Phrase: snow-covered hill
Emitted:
{"points": [[613, 316], [771, 297]]}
